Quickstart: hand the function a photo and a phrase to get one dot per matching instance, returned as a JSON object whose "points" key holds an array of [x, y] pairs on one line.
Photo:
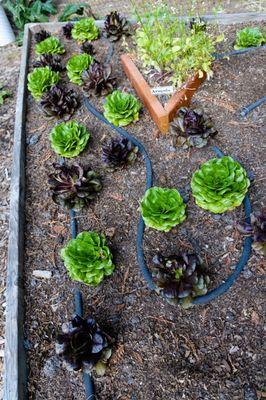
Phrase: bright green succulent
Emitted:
{"points": [[121, 108], [87, 258], [40, 80], [76, 65], [85, 29], [69, 139], [162, 208], [249, 37], [220, 185], [51, 45]]}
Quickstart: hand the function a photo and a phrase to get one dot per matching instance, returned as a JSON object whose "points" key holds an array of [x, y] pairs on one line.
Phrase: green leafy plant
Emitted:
{"points": [[3, 94], [53, 61], [76, 66], [257, 230], [191, 127], [83, 346], [116, 26], [85, 29], [40, 80], [249, 37], [121, 108], [69, 139], [220, 185], [51, 45], [41, 35], [59, 101], [198, 24], [88, 259], [180, 278], [25, 11], [98, 78], [119, 152], [162, 208], [74, 187], [71, 11]]}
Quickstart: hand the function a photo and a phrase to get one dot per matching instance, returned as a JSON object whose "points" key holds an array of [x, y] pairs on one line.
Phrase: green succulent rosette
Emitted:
{"points": [[249, 37], [162, 208], [87, 258], [85, 30], [121, 108], [69, 139], [51, 45], [220, 185], [40, 80], [76, 65]]}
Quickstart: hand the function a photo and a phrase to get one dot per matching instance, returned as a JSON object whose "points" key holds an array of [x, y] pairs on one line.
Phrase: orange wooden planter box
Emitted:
{"points": [[162, 116]]}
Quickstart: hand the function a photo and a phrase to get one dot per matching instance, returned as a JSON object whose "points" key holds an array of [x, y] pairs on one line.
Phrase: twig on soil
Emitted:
{"points": [[125, 279]]}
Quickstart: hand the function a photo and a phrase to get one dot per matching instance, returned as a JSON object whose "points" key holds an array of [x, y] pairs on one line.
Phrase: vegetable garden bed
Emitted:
{"points": [[154, 341]]}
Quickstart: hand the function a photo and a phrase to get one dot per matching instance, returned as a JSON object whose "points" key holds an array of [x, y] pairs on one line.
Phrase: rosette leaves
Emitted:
{"points": [[40, 80], [51, 45], [85, 29], [53, 61], [69, 139], [162, 208], [88, 48], [116, 26], [119, 152], [191, 128], [87, 258], [121, 108], [220, 185], [76, 65], [180, 278], [59, 102], [41, 35], [257, 230], [249, 37], [74, 187], [83, 346], [98, 78]]}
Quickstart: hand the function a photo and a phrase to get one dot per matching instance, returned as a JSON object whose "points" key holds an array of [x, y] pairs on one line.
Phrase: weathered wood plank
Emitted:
{"points": [[15, 379]]}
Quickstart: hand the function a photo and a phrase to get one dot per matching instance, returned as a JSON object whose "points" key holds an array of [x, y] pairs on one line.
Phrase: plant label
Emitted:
{"points": [[162, 90]]}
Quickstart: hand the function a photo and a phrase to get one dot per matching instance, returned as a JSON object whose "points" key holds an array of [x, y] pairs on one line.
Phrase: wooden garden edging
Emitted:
{"points": [[15, 375]]}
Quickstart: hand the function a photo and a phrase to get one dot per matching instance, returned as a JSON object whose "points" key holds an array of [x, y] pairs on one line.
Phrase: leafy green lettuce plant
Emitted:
{"points": [[121, 108], [69, 139], [40, 80], [72, 11], [87, 258], [249, 37], [220, 185], [76, 65], [3, 94], [51, 45], [162, 208], [85, 29]]}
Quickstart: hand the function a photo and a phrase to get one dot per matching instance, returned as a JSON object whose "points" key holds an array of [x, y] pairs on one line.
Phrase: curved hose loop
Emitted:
{"points": [[213, 294]]}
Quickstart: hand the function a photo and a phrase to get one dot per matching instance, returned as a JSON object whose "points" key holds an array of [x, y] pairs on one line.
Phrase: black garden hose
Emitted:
{"points": [[219, 56], [246, 110]]}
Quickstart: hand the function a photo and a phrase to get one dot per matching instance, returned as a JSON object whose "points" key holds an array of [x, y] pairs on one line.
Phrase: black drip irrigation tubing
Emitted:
{"points": [[218, 56], [246, 110]]}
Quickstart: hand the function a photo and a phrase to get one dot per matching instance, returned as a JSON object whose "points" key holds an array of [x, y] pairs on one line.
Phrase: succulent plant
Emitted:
{"points": [[41, 35], [119, 152], [87, 258], [191, 128], [116, 26], [98, 77], [40, 80], [59, 101], [51, 45], [198, 24], [249, 37], [88, 48], [85, 29], [69, 139], [74, 187], [67, 30], [76, 65], [162, 208], [83, 346], [121, 108], [53, 61], [180, 278], [256, 229], [220, 185]]}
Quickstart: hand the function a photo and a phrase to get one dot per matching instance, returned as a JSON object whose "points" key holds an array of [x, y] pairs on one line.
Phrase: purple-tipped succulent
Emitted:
{"points": [[59, 102], [98, 78], [256, 229], [116, 26], [119, 152], [41, 35], [67, 29], [53, 61]]}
